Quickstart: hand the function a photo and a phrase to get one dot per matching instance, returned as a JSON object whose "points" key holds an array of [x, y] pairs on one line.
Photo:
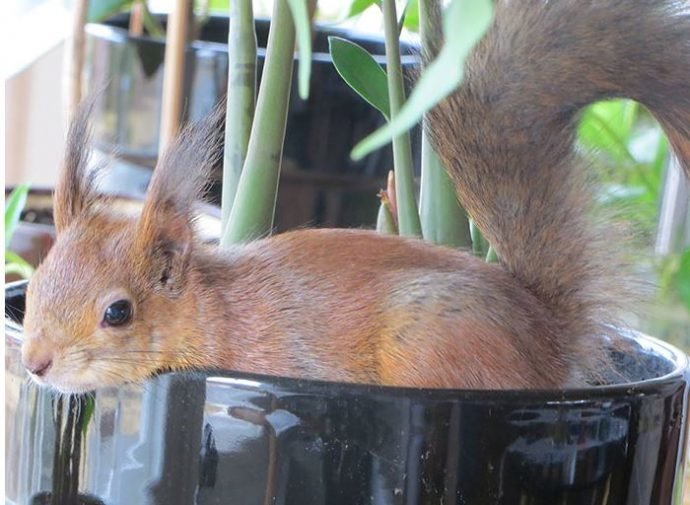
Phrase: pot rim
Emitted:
{"points": [[290, 385], [116, 34], [46, 192]]}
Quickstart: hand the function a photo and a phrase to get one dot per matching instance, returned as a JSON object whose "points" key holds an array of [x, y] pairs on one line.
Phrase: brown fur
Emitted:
{"points": [[351, 305]]}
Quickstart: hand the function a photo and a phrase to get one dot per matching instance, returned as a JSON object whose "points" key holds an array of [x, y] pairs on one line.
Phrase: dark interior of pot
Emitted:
{"points": [[221, 437]]}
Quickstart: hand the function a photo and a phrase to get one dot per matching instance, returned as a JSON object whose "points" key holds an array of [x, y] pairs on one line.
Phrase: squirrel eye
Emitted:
{"points": [[118, 313]]}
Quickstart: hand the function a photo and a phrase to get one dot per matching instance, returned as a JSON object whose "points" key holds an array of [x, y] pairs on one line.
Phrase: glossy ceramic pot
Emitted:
{"points": [[218, 437], [320, 185]]}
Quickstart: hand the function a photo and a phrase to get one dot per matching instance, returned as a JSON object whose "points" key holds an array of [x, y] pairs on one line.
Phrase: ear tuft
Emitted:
{"points": [[75, 191], [183, 170], [165, 228]]}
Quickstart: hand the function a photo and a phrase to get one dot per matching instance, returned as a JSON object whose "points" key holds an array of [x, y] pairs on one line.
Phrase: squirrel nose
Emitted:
{"points": [[39, 363]]}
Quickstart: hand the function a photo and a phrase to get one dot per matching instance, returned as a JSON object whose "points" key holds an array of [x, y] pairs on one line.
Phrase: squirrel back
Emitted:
{"points": [[121, 298], [507, 137]]}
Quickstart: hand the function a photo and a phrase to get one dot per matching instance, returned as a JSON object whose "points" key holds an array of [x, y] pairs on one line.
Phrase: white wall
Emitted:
{"points": [[34, 127]]}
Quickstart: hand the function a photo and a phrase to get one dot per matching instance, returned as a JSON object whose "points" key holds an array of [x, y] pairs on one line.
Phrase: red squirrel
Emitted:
{"points": [[120, 299]]}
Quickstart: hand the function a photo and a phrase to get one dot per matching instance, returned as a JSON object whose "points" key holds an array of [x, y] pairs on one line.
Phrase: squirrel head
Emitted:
{"points": [[108, 303]]}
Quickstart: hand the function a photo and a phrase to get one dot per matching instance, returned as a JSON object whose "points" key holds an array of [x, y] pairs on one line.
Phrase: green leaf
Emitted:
{"points": [[359, 6], [88, 407], [361, 72], [606, 126], [464, 23], [480, 246], [658, 164], [219, 5], [13, 209], [15, 264], [444, 221], [300, 17], [612, 193], [103, 9], [385, 222], [491, 256], [682, 279], [153, 27], [411, 21]]}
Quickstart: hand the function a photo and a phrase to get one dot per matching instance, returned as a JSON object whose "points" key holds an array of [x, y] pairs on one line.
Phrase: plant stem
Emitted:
{"points": [[173, 76], [240, 99], [254, 206], [444, 221], [151, 24], [136, 20], [385, 221], [75, 57], [408, 217]]}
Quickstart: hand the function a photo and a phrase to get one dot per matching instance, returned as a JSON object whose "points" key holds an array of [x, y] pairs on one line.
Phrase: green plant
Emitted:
{"points": [[253, 201], [630, 149], [14, 205], [249, 212], [102, 9], [443, 221], [674, 278], [630, 153]]}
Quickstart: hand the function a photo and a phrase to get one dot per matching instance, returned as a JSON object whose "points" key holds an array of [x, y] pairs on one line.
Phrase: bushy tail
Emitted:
{"points": [[507, 135]]}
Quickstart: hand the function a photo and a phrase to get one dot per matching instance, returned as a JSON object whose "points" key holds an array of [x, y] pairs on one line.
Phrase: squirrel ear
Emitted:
{"points": [[165, 231], [75, 189], [167, 250]]}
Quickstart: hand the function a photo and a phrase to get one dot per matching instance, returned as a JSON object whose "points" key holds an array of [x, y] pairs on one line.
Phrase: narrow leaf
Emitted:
{"points": [[359, 6], [607, 126], [411, 21], [300, 17], [683, 278], [15, 264], [385, 222], [219, 5], [464, 23], [153, 27], [13, 209], [660, 156], [103, 9], [361, 72], [480, 246]]}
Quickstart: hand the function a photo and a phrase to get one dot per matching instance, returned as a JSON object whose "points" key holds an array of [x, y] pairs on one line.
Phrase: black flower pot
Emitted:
{"points": [[320, 185], [221, 437]]}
